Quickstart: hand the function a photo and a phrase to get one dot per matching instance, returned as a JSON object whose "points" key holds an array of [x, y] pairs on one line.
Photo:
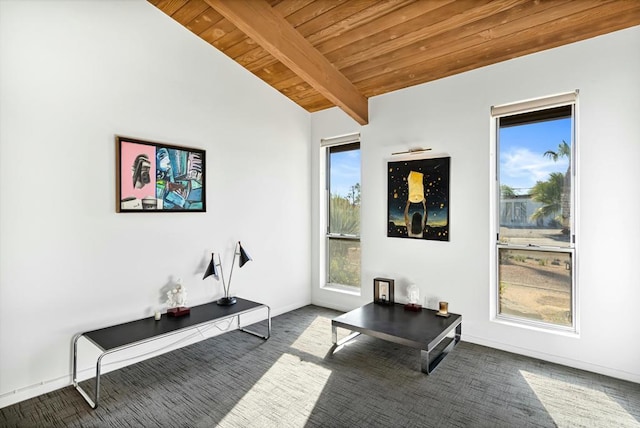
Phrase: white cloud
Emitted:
{"points": [[520, 168]]}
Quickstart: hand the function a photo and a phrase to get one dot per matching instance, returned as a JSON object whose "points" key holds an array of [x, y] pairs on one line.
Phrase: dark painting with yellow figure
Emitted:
{"points": [[418, 204]]}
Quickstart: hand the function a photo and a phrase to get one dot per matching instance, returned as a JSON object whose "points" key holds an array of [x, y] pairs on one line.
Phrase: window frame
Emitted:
{"points": [[509, 110], [327, 144]]}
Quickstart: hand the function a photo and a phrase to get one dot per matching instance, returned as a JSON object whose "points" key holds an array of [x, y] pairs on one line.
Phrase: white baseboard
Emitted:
{"points": [[289, 308], [31, 391], [569, 362], [332, 305]]}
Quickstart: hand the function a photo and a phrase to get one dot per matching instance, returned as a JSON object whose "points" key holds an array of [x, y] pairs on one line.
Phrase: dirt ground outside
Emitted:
{"points": [[534, 235], [536, 286]]}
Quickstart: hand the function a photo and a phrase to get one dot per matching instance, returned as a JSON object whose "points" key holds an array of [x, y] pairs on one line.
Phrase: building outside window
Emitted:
{"points": [[535, 212], [342, 239]]}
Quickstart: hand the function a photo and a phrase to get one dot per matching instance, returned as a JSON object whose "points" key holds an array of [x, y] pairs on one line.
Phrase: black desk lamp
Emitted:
{"points": [[215, 269]]}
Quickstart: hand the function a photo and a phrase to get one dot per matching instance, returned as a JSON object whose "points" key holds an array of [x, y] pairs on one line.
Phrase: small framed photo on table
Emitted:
{"points": [[383, 290]]}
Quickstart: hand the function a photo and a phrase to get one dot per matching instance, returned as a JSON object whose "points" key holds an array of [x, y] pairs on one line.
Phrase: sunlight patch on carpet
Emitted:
{"points": [[571, 404], [288, 391], [316, 339]]}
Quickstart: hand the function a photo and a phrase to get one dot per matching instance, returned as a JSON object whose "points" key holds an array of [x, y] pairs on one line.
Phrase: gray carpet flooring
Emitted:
{"points": [[293, 380]]}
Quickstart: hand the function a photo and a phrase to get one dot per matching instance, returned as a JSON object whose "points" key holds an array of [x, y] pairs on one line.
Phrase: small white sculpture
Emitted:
{"points": [[177, 297], [413, 293]]}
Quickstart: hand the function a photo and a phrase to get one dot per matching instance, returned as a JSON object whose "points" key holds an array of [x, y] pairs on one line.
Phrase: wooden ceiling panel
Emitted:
{"points": [[384, 45], [317, 103], [243, 47], [249, 56], [503, 45], [337, 14], [190, 11], [442, 43], [217, 31], [455, 15], [400, 51], [312, 10], [229, 40], [381, 23], [288, 7], [168, 6], [203, 21]]}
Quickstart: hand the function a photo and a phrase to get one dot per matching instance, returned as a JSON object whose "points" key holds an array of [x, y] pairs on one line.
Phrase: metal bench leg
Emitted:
{"points": [[258, 334], [76, 384]]}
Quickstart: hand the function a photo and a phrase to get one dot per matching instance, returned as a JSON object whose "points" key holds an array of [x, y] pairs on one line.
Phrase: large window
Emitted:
{"points": [[535, 210], [342, 243]]}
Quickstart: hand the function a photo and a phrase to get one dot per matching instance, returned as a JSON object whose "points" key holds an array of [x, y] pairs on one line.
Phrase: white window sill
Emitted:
{"points": [[535, 327], [344, 289]]}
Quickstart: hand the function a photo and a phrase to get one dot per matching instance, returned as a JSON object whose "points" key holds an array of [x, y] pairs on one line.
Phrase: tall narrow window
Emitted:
{"points": [[342, 242], [535, 245]]}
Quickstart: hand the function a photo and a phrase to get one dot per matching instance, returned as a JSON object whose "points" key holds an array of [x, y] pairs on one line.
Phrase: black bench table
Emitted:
{"points": [[122, 336], [423, 329]]}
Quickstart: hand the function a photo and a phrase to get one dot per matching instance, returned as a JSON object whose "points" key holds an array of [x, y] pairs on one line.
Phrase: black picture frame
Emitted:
{"points": [[383, 292], [159, 177], [418, 198]]}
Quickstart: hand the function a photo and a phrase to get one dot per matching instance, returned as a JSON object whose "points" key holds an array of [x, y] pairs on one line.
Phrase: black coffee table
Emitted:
{"points": [[423, 329]]}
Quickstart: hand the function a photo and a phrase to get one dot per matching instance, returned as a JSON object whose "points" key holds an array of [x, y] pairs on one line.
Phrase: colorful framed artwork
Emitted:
{"points": [[158, 177], [383, 290], [418, 199]]}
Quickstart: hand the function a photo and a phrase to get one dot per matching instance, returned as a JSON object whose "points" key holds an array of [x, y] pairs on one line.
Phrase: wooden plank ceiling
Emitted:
{"points": [[325, 53]]}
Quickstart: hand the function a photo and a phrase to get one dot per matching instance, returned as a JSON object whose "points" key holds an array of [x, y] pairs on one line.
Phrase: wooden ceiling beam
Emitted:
{"points": [[271, 31], [258, 58]]}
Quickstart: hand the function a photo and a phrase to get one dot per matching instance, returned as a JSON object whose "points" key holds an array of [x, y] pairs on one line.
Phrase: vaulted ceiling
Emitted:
{"points": [[325, 53]]}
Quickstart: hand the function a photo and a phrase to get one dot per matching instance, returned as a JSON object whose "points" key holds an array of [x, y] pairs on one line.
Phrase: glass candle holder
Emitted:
{"points": [[444, 307]]}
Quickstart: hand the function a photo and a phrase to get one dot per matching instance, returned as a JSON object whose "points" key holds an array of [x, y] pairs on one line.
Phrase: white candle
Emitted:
{"points": [[157, 315]]}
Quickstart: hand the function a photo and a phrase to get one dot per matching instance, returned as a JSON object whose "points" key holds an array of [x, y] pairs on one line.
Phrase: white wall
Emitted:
{"points": [[72, 75], [452, 115]]}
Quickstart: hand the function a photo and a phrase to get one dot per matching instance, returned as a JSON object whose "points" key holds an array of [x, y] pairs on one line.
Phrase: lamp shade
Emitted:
{"points": [[215, 269], [244, 257], [212, 270]]}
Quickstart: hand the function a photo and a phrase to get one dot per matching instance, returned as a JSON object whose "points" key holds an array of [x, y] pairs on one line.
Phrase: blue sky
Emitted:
{"points": [[345, 171], [521, 152], [521, 157]]}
